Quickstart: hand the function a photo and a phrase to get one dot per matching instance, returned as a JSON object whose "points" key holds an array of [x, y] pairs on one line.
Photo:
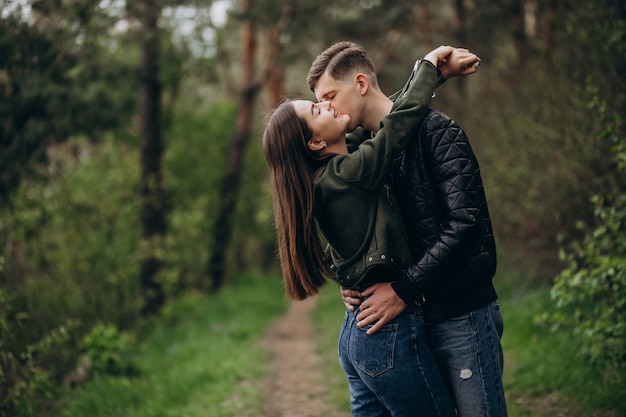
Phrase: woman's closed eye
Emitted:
{"points": [[317, 107]]}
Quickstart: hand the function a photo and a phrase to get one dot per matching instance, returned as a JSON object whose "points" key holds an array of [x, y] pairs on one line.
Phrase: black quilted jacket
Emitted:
{"points": [[440, 192]]}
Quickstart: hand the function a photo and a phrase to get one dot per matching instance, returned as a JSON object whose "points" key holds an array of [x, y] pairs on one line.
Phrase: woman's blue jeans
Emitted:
{"points": [[393, 372], [469, 354]]}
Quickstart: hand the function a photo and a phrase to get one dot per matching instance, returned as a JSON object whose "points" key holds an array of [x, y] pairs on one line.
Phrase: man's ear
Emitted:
{"points": [[316, 145], [362, 82]]}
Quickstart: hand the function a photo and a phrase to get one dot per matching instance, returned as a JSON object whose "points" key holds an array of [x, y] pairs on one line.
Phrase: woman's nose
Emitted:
{"points": [[324, 104]]}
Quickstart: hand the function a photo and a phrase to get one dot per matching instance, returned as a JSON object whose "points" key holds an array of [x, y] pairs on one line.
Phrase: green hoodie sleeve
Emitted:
{"points": [[368, 166]]}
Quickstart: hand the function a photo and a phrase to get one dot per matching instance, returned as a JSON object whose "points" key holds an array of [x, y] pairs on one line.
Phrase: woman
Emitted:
{"points": [[316, 184]]}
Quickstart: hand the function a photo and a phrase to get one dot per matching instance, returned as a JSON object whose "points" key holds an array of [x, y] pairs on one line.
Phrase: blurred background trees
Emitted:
{"points": [[130, 170]]}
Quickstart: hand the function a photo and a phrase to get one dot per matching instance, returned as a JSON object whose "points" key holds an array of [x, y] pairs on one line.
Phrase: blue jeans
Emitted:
{"points": [[469, 354], [393, 372]]}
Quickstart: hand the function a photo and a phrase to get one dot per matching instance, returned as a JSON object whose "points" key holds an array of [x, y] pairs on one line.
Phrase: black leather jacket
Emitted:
{"points": [[439, 188]]}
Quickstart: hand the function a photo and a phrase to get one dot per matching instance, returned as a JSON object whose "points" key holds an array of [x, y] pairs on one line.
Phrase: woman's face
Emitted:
{"points": [[325, 122]]}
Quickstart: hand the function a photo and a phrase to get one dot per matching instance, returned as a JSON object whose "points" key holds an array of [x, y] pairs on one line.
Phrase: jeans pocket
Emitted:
{"points": [[373, 354], [498, 320], [343, 333]]}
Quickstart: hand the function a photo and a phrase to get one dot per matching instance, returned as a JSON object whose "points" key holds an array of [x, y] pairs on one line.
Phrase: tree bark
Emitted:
{"points": [[424, 28], [518, 33], [550, 29], [232, 179], [153, 221], [273, 76], [461, 19]]}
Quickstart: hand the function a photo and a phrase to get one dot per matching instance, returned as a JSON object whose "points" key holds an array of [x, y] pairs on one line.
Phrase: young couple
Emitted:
{"points": [[396, 214]]}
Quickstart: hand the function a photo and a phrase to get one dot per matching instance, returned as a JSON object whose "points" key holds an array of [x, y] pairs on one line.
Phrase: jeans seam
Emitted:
{"points": [[496, 355], [415, 323], [492, 351], [476, 335]]}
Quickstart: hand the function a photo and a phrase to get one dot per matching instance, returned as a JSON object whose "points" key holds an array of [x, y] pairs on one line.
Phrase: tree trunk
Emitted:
{"points": [[516, 28], [232, 179], [152, 194], [423, 25], [275, 74], [461, 22], [550, 29]]}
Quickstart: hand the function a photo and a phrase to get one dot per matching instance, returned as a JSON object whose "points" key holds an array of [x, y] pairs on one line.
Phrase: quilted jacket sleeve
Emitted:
{"points": [[458, 194]]}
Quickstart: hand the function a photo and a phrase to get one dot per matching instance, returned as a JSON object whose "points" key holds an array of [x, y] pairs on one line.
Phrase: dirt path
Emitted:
{"points": [[294, 384]]}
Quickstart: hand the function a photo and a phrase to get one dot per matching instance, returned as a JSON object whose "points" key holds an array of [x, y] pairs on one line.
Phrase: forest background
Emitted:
{"points": [[131, 171]]}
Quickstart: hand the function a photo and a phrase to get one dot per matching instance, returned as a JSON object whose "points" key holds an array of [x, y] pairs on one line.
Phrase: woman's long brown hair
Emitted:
{"points": [[292, 168]]}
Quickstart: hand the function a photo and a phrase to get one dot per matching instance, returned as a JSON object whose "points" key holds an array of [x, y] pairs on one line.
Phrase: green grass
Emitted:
{"points": [[201, 358], [545, 374], [544, 364]]}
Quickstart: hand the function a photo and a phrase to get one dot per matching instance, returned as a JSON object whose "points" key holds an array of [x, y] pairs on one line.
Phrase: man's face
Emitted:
{"points": [[344, 97]]}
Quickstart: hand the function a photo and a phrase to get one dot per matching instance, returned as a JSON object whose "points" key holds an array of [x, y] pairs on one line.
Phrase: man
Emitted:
{"points": [[439, 188]]}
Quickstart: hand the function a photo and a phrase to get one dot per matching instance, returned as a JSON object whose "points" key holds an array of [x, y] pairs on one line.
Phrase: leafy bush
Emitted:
{"points": [[23, 374], [67, 262], [591, 291], [103, 347]]}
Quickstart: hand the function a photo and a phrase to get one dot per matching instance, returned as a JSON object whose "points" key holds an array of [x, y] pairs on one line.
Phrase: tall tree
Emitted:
{"points": [[251, 84], [518, 32], [238, 143], [550, 28], [153, 216]]}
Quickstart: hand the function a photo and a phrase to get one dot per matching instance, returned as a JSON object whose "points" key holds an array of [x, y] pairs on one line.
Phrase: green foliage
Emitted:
{"points": [[73, 240], [543, 373], [591, 291], [71, 244], [539, 172], [537, 137], [68, 248], [202, 357], [195, 163], [24, 375], [103, 347], [56, 81]]}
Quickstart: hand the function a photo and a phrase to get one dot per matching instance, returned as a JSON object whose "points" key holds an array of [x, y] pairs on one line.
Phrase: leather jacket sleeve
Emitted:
{"points": [[454, 198]]}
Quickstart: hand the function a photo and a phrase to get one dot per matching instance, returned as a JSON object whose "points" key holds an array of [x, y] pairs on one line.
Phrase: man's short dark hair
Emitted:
{"points": [[341, 60]]}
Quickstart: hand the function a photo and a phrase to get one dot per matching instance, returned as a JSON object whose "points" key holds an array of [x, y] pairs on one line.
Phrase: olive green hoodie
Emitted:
{"points": [[355, 207]]}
